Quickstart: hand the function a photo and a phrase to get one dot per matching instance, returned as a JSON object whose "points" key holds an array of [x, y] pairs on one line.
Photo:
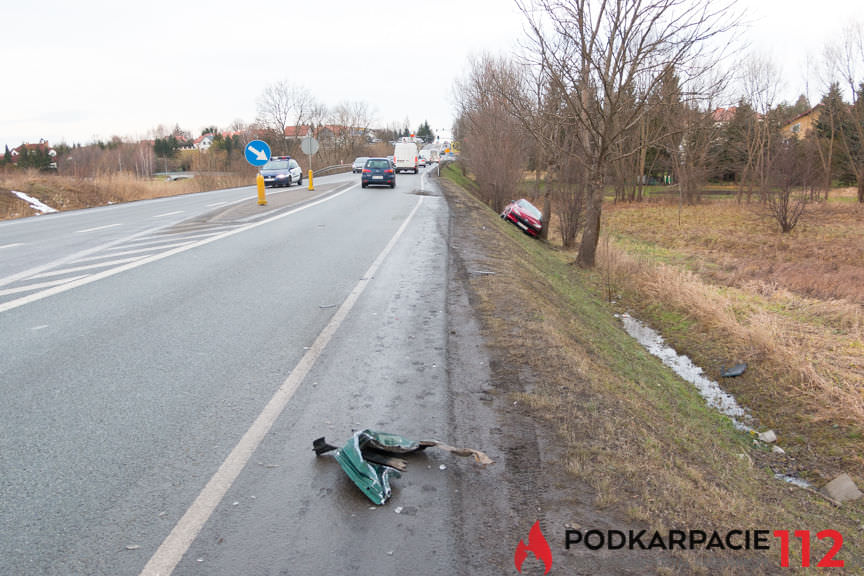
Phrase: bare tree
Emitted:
{"points": [[844, 57], [789, 175], [690, 151], [761, 81], [353, 119], [600, 53], [494, 143], [282, 105]]}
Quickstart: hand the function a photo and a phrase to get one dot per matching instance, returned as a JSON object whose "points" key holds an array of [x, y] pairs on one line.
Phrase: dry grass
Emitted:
{"points": [[724, 286], [734, 245], [64, 193]]}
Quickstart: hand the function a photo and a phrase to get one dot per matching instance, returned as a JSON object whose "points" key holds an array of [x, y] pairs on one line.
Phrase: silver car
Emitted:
{"points": [[281, 171], [358, 164]]}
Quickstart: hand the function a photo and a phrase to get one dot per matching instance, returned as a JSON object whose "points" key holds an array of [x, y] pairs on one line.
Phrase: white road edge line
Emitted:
{"points": [[11, 304], [172, 549]]}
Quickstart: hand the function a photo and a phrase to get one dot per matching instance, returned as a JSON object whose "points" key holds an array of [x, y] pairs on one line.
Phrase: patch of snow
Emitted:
{"points": [[715, 396], [35, 203], [794, 480]]}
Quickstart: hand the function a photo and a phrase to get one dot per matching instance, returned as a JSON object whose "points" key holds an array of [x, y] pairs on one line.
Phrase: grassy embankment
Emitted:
{"points": [[65, 193], [723, 286]]}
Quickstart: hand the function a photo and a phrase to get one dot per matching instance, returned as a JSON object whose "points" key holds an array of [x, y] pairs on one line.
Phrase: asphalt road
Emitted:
{"points": [[163, 379]]}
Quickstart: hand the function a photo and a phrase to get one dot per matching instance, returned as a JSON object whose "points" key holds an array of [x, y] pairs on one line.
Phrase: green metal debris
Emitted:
{"points": [[370, 458]]}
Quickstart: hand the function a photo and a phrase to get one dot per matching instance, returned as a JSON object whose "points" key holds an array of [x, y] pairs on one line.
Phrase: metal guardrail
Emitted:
{"points": [[335, 169]]}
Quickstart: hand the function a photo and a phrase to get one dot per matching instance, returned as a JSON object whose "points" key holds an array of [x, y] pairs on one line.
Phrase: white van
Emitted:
{"points": [[405, 155]]}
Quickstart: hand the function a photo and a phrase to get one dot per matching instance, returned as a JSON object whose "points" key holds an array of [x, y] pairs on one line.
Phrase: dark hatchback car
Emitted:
{"points": [[378, 171], [525, 215]]}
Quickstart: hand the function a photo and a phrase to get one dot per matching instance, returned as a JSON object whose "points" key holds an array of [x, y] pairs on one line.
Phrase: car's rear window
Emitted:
{"points": [[378, 164]]}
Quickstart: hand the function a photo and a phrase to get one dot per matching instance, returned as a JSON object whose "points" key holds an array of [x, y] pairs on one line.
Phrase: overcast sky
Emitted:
{"points": [[79, 70]]}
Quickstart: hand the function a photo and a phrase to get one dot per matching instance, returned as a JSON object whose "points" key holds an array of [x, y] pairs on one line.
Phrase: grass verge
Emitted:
{"points": [[642, 438]]}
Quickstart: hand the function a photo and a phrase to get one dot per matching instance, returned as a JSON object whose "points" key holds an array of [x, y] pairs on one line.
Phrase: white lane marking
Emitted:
{"points": [[168, 214], [216, 204], [86, 267], [155, 243], [99, 228], [172, 549], [128, 252], [73, 257], [11, 245], [38, 286], [29, 299]]}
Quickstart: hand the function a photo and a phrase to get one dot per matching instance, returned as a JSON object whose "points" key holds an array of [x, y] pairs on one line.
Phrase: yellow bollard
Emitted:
{"points": [[262, 196], [311, 186]]}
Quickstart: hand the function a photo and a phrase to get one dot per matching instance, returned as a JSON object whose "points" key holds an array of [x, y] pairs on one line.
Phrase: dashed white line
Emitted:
{"points": [[11, 245], [168, 214]]}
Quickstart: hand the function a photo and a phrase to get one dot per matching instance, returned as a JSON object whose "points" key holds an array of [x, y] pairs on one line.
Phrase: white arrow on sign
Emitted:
{"points": [[261, 154]]}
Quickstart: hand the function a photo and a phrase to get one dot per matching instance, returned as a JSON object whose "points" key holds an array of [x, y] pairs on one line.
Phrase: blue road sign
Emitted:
{"points": [[257, 152]]}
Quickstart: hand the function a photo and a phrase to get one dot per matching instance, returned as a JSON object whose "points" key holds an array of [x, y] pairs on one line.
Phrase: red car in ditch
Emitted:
{"points": [[524, 215]]}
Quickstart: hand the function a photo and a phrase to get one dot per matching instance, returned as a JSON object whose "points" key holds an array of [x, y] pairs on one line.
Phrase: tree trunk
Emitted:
{"points": [[547, 213], [591, 231], [643, 156]]}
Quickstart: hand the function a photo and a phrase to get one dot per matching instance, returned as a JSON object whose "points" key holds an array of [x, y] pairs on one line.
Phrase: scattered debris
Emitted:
{"points": [[842, 488], [370, 458], [133, 547], [735, 371]]}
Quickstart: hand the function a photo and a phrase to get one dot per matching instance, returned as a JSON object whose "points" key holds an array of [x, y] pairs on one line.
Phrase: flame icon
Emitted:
{"points": [[536, 544]]}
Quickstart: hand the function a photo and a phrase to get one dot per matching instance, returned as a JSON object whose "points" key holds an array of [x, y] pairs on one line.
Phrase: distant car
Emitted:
{"points": [[378, 171], [281, 171], [358, 164], [392, 161], [421, 161], [524, 215]]}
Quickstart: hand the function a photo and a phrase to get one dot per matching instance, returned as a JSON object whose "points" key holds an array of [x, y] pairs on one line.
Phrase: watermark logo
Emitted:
{"points": [[538, 545]]}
